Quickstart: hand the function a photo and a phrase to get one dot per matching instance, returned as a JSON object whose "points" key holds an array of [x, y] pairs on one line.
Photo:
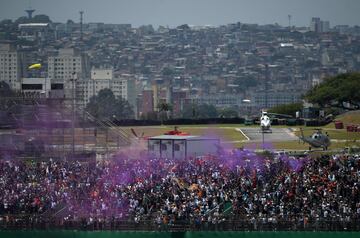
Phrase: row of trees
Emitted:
{"points": [[341, 91], [334, 94], [191, 111], [105, 106]]}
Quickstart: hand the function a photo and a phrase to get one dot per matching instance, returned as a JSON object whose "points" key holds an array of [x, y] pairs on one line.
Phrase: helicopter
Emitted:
{"points": [[174, 132], [265, 123], [316, 140]]}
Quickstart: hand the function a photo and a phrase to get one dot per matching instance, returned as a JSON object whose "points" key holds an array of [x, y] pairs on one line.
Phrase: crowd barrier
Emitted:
{"points": [[180, 226], [188, 234]]}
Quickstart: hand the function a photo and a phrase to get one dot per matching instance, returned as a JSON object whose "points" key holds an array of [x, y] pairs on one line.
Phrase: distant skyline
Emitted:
{"points": [[193, 12]]}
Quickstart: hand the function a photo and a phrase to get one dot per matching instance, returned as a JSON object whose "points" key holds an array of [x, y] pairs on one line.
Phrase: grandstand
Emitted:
{"points": [[62, 129], [52, 179]]}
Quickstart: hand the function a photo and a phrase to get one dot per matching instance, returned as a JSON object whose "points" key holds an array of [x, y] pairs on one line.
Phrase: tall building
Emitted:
{"points": [[315, 24], [325, 26], [10, 66], [147, 102], [178, 102], [67, 63], [319, 26], [271, 99], [65, 67]]}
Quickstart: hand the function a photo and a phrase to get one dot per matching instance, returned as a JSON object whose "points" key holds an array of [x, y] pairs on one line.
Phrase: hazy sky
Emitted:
{"points": [[193, 12]]}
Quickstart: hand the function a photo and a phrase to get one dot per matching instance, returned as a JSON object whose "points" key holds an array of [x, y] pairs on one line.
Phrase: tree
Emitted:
{"points": [[207, 111], [6, 22], [228, 112], [70, 22], [341, 91], [22, 20], [199, 111], [41, 18], [164, 108], [245, 83], [106, 106], [167, 71], [5, 96], [287, 109]]}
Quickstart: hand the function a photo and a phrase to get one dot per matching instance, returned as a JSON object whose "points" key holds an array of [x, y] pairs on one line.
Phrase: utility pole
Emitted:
{"points": [[81, 25], [289, 17], [73, 113], [267, 78]]}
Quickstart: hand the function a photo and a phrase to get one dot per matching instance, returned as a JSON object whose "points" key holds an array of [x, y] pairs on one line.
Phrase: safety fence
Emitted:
{"points": [[188, 234], [180, 226]]}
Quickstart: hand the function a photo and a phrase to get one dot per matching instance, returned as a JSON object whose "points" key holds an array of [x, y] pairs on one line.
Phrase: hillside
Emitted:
{"points": [[352, 117]]}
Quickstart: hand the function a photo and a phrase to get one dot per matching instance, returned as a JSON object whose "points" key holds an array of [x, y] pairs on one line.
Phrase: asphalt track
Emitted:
{"points": [[278, 134]]}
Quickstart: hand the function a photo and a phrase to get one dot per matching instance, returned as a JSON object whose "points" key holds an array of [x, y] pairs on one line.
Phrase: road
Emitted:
{"points": [[278, 134]]}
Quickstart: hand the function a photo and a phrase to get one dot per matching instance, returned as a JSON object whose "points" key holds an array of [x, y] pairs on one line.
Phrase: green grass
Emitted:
{"points": [[293, 145], [352, 117], [226, 133]]}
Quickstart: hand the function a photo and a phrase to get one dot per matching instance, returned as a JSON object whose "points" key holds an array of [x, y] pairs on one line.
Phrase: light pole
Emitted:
{"points": [[263, 147], [73, 80], [247, 101]]}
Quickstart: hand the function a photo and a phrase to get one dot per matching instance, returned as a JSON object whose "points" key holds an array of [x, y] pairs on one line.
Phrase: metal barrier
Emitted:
{"points": [[192, 225]]}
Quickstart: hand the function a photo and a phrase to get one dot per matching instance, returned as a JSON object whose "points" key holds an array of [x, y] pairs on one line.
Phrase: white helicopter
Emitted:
{"points": [[265, 123]]}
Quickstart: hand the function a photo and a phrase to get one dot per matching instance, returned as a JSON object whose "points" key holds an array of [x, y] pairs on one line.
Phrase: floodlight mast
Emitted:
{"points": [[247, 101]]}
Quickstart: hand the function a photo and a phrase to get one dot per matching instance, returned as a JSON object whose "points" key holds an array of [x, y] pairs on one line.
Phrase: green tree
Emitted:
{"points": [[22, 20], [5, 96], [199, 111], [341, 91], [246, 82], [106, 106], [287, 109], [167, 71], [228, 112], [41, 18], [164, 109], [207, 111]]}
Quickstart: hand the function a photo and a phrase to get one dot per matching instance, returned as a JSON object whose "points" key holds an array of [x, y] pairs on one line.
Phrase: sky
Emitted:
{"points": [[193, 12]]}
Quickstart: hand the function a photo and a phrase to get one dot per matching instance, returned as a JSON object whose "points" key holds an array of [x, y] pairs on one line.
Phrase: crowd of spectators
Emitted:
{"points": [[236, 186]]}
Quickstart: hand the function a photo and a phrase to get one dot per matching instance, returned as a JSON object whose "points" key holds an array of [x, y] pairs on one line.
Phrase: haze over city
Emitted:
{"points": [[200, 12]]}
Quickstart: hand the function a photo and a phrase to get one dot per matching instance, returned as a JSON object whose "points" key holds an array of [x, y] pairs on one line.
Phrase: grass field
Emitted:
{"points": [[224, 132], [233, 138], [291, 145], [228, 134], [352, 117]]}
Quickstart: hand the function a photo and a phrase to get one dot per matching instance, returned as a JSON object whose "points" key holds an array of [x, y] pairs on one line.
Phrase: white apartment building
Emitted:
{"points": [[65, 65], [275, 98], [10, 66], [68, 65], [219, 100]]}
